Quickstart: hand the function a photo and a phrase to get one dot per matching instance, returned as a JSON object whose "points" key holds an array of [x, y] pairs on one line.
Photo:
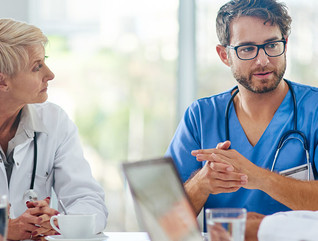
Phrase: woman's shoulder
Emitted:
{"points": [[47, 108], [50, 114]]}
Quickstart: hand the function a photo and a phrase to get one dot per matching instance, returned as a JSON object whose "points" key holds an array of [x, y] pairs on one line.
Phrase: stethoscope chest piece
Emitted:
{"points": [[30, 195]]}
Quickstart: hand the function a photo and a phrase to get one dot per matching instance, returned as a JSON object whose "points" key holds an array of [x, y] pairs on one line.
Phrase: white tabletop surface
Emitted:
{"points": [[127, 236], [123, 236]]}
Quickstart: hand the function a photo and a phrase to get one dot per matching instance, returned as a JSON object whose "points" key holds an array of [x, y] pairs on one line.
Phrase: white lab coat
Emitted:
{"points": [[60, 164], [289, 226]]}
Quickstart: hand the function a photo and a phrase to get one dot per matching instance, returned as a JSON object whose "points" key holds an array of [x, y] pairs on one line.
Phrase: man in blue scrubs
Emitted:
{"points": [[253, 37]]}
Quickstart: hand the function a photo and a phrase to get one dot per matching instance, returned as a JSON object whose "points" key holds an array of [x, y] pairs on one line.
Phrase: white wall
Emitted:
{"points": [[16, 9]]}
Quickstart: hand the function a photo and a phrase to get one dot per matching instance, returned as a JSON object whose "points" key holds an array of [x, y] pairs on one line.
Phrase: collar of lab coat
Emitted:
{"points": [[31, 121]]}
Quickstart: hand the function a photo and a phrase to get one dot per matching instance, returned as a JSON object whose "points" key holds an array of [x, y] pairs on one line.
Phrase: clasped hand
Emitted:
{"points": [[225, 169], [34, 223]]}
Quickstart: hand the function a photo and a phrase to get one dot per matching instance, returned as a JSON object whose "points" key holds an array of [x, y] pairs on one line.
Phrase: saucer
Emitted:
{"points": [[97, 237]]}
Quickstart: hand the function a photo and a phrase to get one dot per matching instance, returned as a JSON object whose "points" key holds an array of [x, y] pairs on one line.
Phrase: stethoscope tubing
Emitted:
{"points": [[284, 137], [30, 194], [35, 143]]}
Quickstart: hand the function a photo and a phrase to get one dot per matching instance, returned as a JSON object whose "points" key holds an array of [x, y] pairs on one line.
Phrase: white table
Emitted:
{"points": [[134, 236], [127, 236], [123, 236]]}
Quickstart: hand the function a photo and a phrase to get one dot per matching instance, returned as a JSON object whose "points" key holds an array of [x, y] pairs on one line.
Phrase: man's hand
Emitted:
{"points": [[218, 176], [213, 178], [223, 145], [237, 161]]}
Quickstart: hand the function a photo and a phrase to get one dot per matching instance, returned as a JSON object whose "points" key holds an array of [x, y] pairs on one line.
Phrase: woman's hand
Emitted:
{"points": [[33, 223], [253, 222]]}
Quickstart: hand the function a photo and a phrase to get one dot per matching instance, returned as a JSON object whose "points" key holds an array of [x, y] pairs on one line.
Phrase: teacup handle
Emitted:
{"points": [[52, 223]]}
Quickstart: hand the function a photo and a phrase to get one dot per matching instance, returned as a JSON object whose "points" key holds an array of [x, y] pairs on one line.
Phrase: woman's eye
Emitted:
{"points": [[38, 67]]}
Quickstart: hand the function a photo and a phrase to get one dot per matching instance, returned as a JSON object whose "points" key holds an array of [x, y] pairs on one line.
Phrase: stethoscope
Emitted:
{"points": [[285, 137], [30, 194]]}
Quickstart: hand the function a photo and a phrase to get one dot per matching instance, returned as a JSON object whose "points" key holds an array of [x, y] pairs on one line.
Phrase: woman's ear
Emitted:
{"points": [[3, 83], [221, 50]]}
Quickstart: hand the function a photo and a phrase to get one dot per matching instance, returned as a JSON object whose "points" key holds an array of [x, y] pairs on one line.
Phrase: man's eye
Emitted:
{"points": [[247, 49], [271, 45]]}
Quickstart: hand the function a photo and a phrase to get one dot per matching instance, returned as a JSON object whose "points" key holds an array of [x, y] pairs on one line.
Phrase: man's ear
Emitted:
{"points": [[286, 38], [3, 83], [221, 50]]}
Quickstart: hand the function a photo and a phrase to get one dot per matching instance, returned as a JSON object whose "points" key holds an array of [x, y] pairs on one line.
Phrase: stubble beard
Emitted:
{"points": [[247, 82]]}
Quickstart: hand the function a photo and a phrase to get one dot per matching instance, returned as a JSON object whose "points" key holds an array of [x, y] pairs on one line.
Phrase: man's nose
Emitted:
{"points": [[262, 58]]}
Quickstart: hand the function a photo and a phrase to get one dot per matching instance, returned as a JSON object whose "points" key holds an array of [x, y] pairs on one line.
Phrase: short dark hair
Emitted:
{"points": [[271, 11]]}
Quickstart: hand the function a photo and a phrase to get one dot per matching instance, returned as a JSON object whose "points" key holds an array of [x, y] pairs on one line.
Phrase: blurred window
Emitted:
{"points": [[115, 74], [302, 52]]}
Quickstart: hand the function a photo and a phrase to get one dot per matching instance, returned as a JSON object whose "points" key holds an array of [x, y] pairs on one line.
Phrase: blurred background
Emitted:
{"points": [[126, 70]]}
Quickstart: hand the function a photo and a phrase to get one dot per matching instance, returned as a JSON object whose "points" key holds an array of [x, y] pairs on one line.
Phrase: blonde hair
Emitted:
{"points": [[15, 38]]}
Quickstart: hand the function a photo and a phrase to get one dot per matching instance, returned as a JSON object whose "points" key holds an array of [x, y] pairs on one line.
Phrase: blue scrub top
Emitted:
{"points": [[203, 127]]}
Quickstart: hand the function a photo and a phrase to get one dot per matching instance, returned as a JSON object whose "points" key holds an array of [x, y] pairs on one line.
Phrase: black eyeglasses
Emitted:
{"points": [[250, 51]]}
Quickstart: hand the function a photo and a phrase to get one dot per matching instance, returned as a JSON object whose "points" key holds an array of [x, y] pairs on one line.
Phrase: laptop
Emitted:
{"points": [[161, 203]]}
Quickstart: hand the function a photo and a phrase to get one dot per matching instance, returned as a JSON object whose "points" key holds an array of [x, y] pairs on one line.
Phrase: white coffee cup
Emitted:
{"points": [[75, 225]]}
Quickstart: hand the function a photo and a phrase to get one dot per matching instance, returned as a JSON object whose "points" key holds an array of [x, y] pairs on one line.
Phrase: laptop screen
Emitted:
{"points": [[160, 200]]}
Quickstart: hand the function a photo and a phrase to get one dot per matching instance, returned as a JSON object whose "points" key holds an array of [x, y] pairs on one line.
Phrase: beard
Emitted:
{"points": [[246, 81]]}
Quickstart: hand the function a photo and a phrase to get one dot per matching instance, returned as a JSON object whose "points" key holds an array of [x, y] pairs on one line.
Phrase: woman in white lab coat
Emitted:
{"points": [[33, 131], [282, 226]]}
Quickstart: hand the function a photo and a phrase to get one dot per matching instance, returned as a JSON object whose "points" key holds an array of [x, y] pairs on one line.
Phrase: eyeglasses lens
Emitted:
{"points": [[272, 49]]}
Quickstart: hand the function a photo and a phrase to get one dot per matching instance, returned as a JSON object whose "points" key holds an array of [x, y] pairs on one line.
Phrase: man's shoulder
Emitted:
{"points": [[306, 96], [300, 87], [222, 97], [212, 104]]}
